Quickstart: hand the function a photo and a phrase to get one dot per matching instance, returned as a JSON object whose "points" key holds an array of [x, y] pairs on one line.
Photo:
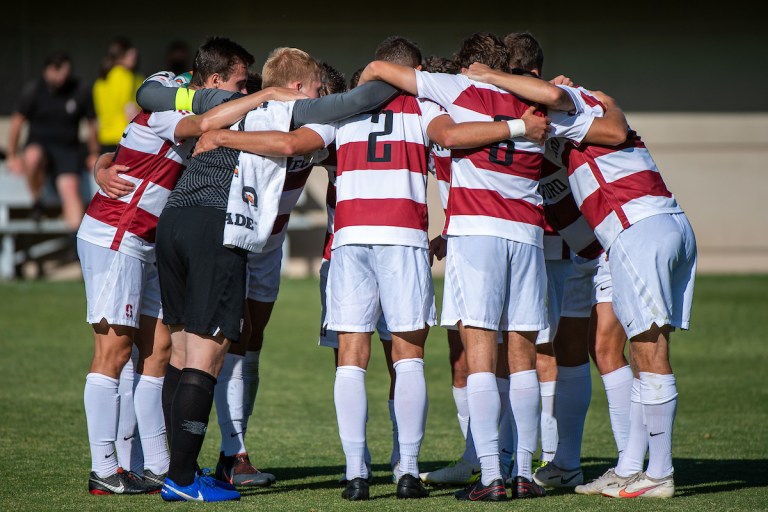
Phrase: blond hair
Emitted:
{"points": [[285, 65]]}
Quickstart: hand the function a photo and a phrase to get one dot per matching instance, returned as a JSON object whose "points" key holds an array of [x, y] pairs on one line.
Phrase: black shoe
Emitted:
{"points": [[122, 482], [356, 490], [409, 487], [524, 488], [238, 470], [154, 482], [479, 492]]}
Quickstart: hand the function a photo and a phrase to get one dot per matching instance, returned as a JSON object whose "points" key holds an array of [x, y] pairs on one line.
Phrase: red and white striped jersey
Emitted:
{"points": [[156, 159], [381, 178], [440, 167], [565, 228], [615, 186], [296, 177], [494, 189], [330, 200]]}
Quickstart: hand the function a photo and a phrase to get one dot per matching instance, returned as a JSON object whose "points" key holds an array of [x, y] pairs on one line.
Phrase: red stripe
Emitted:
{"points": [[353, 156], [524, 164], [563, 213], [591, 251], [443, 168], [402, 213], [142, 118], [280, 222], [596, 208], [327, 245], [465, 201], [297, 179], [592, 101], [133, 214], [143, 224], [492, 103], [637, 185], [403, 104], [156, 167], [106, 210]]}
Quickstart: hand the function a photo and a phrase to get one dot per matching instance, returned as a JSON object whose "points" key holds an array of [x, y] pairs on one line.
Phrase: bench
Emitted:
{"points": [[51, 235]]}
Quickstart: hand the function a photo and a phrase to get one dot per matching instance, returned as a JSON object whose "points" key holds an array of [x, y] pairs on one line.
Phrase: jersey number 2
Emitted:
{"points": [[387, 156], [509, 149]]}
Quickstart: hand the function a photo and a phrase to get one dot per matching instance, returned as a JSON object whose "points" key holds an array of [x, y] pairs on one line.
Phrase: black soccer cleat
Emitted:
{"points": [[356, 490], [122, 482], [479, 492], [524, 489], [238, 470], [153, 482], [410, 487]]}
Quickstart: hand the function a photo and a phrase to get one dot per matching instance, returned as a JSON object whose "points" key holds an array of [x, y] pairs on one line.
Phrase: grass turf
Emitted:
{"points": [[721, 431]]}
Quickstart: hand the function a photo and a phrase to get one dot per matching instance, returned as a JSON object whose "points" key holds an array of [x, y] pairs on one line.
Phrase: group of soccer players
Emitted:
{"points": [[561, 241]]}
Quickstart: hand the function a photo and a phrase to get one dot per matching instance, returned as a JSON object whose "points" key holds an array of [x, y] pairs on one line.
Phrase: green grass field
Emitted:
{"points": [[721, 433]]}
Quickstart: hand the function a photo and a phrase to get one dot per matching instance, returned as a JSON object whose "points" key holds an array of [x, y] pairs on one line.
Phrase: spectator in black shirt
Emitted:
{"points": [[53, 105]]}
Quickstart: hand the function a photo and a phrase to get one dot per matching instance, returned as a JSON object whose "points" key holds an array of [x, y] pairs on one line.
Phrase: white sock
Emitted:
{"points": [[462, 408], [507, 432], [351, 412], [632, 458], [251, 383], [229, 397], [618, 388], [395, 457], [525, 397], [102, 406], [572, 396], [148, 396], [548, 422], [127, 442], [484, 410], [411, 412], [659, 396]]}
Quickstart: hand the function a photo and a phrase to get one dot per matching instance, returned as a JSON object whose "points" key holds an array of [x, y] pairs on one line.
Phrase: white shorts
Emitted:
{"points": [[653, 266], [603, 285], [494, 283], [118, 288], [264, 274], [329, 338], [557, 273], [366, 281]]}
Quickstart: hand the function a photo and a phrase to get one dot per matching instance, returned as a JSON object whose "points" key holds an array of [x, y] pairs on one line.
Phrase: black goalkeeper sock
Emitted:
{"points": [[190, 411], [170, 384]]}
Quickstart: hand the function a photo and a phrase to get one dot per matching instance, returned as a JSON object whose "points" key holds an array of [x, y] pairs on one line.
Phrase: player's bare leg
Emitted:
{"points": [[572, 397]]}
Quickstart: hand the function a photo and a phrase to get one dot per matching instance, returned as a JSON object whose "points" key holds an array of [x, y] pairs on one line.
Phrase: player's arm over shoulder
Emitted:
{"points": [[610, 129]]}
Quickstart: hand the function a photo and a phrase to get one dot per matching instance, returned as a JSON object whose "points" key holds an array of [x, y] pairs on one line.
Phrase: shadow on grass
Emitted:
{"points": [[692, 476], [697, 476]]}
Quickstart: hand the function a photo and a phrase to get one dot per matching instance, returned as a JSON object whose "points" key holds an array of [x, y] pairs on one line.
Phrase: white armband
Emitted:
{"points": [[516, 128]]}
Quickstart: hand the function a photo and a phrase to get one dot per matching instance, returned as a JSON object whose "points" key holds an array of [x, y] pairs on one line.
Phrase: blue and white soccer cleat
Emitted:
{"points": [[203, 488]]}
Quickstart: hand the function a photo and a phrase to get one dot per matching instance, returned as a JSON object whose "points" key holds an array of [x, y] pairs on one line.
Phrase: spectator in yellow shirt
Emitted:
{"points": [[114, 93]]}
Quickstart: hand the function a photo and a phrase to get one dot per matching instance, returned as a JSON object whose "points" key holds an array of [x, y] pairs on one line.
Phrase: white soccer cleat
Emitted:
{"points": [[456, 473], [643, 486], [607, 480], [553, 476]]}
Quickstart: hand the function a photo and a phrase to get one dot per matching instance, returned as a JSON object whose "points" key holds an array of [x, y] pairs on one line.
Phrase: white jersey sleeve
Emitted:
{"points": [[429, 112], [164, 123], [327, 132], [575, 124], [441, 88]]}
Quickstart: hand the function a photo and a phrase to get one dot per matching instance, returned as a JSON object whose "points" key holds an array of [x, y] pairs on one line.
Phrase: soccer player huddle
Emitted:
{"points": [[561, 242]]}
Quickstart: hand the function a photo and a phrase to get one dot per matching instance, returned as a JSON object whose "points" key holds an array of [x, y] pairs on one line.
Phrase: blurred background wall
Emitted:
{"points": [[691, 76]]}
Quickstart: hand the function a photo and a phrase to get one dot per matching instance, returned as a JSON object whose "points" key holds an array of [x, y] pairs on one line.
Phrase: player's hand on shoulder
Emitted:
{"points": [[479, 72], [536, 127], [562, 80], [206, 142], [108, 179]]}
